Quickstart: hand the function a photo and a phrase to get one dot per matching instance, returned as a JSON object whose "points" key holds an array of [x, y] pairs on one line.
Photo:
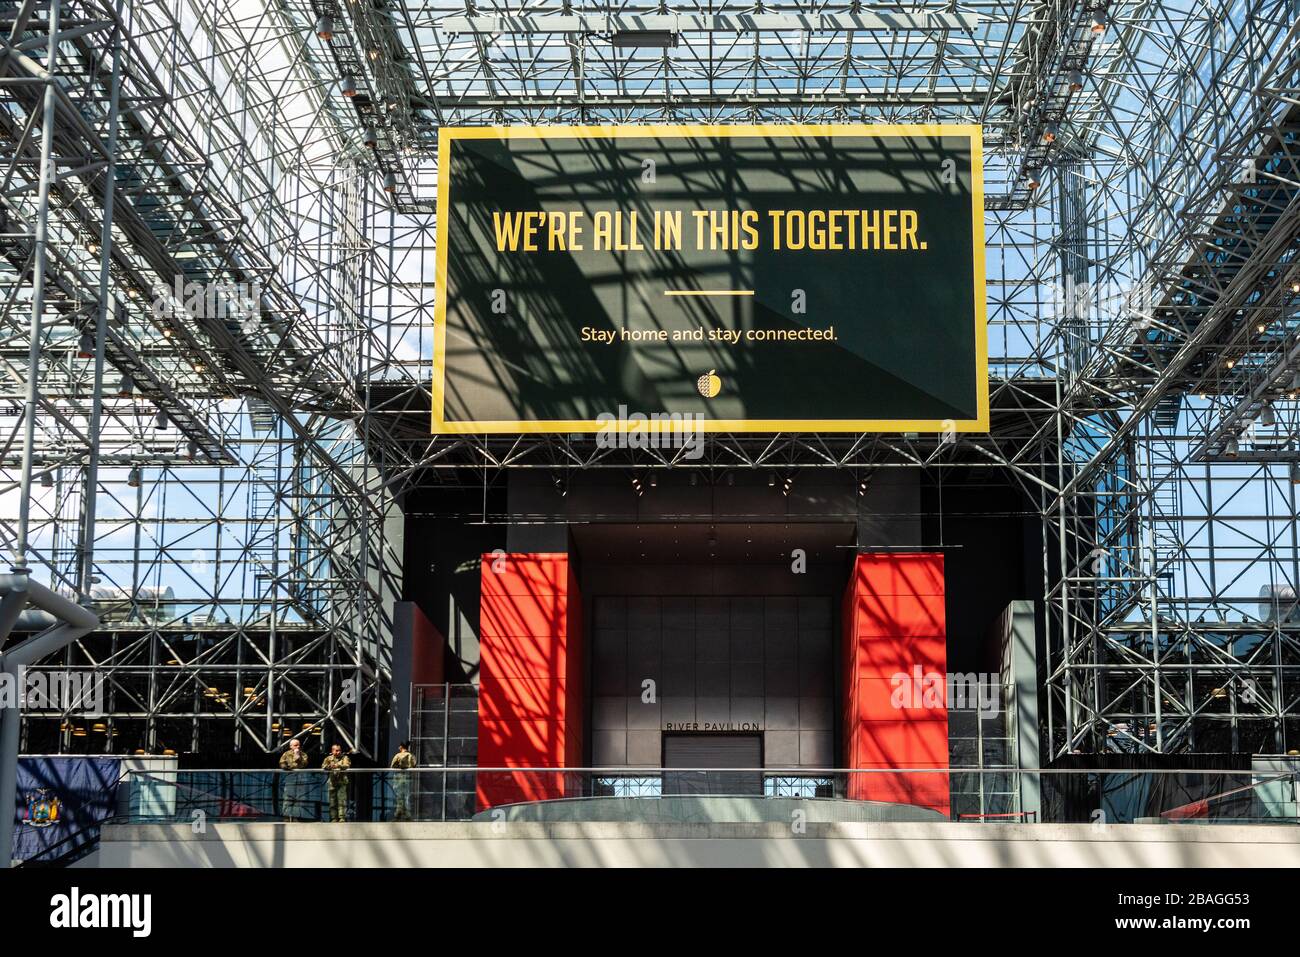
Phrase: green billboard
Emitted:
{"points": [[756, 278]]}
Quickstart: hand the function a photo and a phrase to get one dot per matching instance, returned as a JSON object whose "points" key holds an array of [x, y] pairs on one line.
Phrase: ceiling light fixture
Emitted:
{"points": [[658, 39]]}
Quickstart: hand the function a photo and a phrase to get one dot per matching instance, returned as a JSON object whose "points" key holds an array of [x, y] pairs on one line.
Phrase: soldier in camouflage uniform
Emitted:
{"points": [[402, 763], [291, 785], [337, 764]]}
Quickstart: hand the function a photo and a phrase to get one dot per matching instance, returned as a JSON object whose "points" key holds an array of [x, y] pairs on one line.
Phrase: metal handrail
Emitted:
{"points": [[373, 794], [796, 772]]}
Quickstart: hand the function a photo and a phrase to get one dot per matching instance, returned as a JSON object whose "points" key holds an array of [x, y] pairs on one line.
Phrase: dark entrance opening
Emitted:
{"points": [[713, 751]]}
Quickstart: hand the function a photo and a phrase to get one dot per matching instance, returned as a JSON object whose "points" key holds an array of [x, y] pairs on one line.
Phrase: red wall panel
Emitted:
{"points": [[894, 622], [530, 676]]}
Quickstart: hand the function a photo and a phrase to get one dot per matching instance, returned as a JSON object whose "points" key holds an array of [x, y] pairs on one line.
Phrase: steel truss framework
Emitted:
{"points": [[181, 258], [1142, 324]]}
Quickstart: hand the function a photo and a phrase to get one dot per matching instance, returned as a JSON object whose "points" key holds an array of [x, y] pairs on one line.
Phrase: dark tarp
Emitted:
{"points": [[1123, 793]]}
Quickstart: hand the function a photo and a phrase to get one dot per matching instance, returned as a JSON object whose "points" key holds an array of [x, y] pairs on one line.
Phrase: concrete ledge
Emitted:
{"points": [[604, 844], [706, 809]]}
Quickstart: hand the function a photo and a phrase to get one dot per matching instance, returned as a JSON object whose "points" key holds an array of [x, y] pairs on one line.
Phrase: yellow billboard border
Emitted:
{"points": [[972, 131]]}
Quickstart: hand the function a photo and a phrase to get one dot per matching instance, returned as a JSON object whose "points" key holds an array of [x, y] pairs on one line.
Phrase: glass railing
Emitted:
{"points": [[1102, 796]]}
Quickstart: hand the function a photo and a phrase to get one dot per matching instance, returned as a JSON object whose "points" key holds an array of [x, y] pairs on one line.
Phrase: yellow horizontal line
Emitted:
{"points": [[708, 292]]}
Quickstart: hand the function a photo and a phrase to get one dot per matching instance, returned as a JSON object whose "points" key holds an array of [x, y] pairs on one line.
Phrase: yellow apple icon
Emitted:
{"points": [[709, 385]]}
